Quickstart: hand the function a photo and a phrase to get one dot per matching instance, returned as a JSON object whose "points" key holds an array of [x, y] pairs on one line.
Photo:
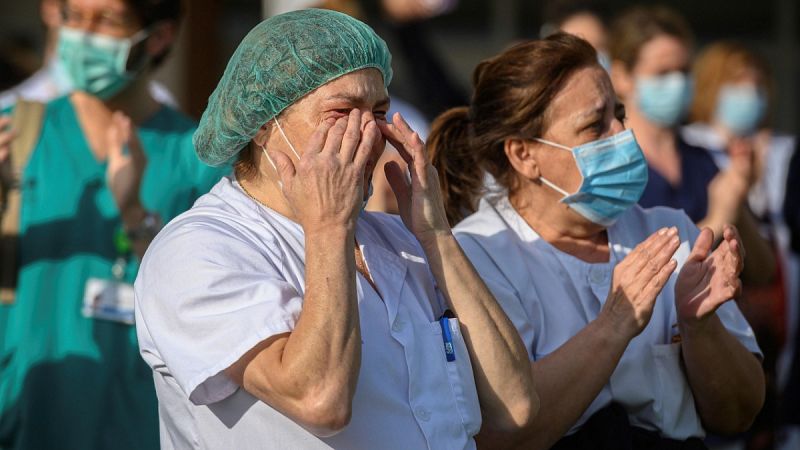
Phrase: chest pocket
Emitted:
{"points": [[459, 374], [674, 405]]}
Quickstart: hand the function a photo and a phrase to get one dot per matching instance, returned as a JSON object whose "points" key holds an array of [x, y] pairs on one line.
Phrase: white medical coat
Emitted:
{"points": [[550, 296], [229, 273]]}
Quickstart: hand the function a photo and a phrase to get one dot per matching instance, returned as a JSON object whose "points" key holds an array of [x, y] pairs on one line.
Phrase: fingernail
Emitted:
{"points": [[662, 231], [673, 230], [676, 240]]}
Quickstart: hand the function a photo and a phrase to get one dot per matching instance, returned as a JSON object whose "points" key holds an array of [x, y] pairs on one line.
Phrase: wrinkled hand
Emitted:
{"points": [[125, 169], [420, 201], [7, 135], [707, 281], [326, 187], [637, 281]]}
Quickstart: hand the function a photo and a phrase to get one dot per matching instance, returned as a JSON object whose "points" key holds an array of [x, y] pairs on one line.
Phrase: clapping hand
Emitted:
{"points": [[709, 280]]}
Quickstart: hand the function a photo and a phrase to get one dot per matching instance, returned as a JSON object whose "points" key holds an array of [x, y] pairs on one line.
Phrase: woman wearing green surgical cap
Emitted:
{"points": [[276, 313], [108, 165]]}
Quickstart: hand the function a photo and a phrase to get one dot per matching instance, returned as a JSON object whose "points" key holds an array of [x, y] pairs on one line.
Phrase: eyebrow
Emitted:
{"points": [[599, 109], [355, 99], [587, 118]]}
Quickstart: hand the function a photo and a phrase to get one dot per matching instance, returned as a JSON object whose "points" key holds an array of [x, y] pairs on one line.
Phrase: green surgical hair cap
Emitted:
{"points": [[281, 60]]}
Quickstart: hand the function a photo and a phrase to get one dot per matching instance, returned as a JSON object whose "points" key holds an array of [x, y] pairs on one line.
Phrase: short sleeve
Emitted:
{"points": [[503, 291], [205, 296], [729, 313]]}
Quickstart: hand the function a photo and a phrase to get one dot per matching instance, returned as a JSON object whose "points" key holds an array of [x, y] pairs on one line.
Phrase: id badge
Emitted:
{"points": [[108, 300]]}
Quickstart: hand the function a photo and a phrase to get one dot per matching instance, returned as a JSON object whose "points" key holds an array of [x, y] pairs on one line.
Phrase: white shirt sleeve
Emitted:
{"points": [[207, 295]]}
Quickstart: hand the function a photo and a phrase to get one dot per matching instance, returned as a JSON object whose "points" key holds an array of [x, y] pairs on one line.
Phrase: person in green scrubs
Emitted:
{"points": [[110, 165]]}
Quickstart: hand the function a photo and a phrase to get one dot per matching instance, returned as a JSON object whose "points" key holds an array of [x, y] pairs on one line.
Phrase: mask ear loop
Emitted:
{"points": [[544, 180], [544, 141], [552, 186], [280, 129], [272, 163]]}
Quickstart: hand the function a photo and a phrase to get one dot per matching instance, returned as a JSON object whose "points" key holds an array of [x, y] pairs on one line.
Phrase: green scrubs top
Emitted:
{"points": [[68, 381]]}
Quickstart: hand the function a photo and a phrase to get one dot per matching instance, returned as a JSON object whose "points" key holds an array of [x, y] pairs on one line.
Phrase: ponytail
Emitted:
{"points": [[460, 176], [512, 92]]}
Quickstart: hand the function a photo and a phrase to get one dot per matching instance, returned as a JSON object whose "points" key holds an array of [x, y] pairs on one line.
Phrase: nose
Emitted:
{"points": [[616, 126], [366, 117]]}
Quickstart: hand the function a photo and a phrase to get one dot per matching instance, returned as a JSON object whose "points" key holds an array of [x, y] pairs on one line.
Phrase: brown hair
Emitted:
{"points": [[245, 166], [512, 92], [718, 64], [638, 25]]}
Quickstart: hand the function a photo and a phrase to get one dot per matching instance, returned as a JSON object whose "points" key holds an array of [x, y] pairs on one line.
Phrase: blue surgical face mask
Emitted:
{"points": [[97, 64], [664, 99], [614, 175], [740, 108], [289, 143]]}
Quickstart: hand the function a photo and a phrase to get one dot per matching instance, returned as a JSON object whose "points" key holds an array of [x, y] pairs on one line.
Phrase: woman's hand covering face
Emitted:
{"points": [[325, 187], [418, 197]]}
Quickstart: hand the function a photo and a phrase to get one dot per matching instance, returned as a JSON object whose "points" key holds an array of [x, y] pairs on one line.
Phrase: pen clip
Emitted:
{"points": [[447, 336]]}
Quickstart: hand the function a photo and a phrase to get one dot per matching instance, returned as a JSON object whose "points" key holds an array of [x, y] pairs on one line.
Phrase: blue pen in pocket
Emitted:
{"points": [[447, 336]]}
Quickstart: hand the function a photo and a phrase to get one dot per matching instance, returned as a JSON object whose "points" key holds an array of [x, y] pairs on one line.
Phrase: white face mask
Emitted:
{"points": [[289, 143]]}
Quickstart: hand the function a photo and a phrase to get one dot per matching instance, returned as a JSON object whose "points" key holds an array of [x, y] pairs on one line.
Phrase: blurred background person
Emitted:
{"points": [[110, 164], [650, 48], [651, 57], [52, 80], [582, 18], [730, 114], [789, 412]]}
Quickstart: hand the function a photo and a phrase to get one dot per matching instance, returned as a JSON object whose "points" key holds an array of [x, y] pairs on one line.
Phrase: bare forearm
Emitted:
{"points": [[726, 379], [326, 342], [569, 379], [325, 346], [499, 359], [311, 374], [715, 221]]}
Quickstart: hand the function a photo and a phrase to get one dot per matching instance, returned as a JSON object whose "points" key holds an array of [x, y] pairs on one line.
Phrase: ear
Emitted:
{"points": [[522, 156], [161, 38], [263, 134], [622, 79]]}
